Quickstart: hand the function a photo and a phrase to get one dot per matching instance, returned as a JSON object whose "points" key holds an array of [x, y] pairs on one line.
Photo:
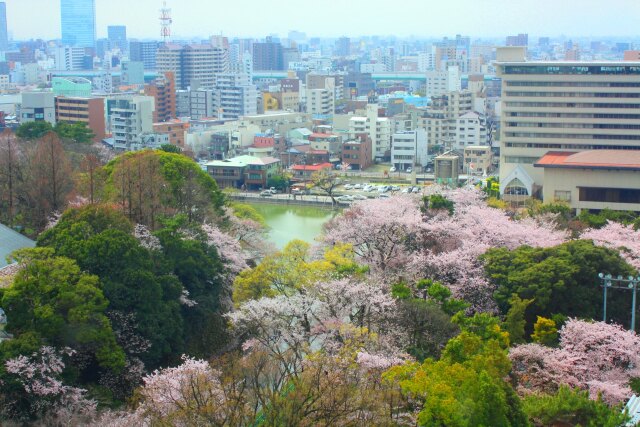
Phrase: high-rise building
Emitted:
{"points": [[78, 18], [562, 106], [193, 65], [4, 37], [131, 122], [268, 56], [343, 46], [163, 90], [144, 52], [69, 58], [519, 40], [117, 35]]}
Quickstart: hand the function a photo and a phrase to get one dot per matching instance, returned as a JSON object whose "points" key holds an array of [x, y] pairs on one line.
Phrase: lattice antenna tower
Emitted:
{"points": [[165, 22]]}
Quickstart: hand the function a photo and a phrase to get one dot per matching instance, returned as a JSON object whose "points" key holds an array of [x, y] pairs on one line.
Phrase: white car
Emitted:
{"points": [[357, 187], [383, 196], [406, 190], [348, 186], [359, 197], [393, 169], [409, 170], [345, 198]]}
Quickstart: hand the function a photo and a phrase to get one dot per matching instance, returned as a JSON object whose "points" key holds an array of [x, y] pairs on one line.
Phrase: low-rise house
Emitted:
{"points": [[248, 172], [304, 172]]}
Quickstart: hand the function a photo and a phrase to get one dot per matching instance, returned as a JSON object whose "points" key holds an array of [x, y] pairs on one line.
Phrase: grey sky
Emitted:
{"points": [[423, 18]]}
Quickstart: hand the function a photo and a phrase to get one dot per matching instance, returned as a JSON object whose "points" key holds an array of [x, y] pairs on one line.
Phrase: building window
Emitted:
{"points": [[516, 187], [562, 196], [520, 159], [609, 195]]}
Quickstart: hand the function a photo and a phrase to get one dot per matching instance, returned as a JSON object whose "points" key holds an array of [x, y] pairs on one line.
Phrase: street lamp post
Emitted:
{"points": [[630, 283]]}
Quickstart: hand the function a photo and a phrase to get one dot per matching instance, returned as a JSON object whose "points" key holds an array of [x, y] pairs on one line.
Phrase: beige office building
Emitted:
{"points": [[562, 106], [595, 179]]}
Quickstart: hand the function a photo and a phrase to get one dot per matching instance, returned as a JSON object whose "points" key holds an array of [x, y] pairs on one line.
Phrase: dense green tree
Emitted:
{"points": [[280, 182], [152, 184], [33, 130], [52, 298], [600, 219], [464, 388], [99, 238], [170, 148], [76, 132], [571, 407], [437, 202], [562, 280], [514, 322], [198, 267], [545, 332]]}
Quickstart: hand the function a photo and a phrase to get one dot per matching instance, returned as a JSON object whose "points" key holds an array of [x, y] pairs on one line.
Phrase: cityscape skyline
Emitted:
{"points": [[356, 18]]}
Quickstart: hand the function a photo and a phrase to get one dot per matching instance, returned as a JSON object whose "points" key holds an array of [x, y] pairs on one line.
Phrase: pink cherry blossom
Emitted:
{"points": [[593, 356], [618, 236]]}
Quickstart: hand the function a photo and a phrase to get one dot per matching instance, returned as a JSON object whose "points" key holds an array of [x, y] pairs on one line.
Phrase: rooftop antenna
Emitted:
{"points": [[165, 22]]}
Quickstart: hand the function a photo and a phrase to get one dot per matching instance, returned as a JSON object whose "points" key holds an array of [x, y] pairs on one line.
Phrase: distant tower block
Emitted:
{"points": [[165, 22]]}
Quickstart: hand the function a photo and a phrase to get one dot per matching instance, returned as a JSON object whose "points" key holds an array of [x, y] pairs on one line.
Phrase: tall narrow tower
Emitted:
{"points": [[165, 22]]}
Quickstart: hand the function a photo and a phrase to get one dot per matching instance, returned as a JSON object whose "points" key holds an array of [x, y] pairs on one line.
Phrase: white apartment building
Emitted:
{"points": [[562, 106], [321, 103], [378, 129], [37, 107], [441, 82], [441, 116], [470, 129], [236, 96], [131, 121], [408, 149], [69, 58]]}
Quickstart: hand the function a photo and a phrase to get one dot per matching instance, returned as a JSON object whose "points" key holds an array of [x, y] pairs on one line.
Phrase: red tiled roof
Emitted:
{"points": [[314, 168], [591, 159]]}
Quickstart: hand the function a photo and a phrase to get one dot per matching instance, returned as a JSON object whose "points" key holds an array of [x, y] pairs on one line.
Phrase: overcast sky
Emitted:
{"points": [[332, 18]]}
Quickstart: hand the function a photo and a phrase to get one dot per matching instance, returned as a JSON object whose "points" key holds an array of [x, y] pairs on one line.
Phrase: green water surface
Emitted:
{"points": [[288, 222]]}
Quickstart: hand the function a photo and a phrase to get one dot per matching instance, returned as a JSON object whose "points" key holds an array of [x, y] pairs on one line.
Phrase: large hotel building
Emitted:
{"points": [[563, 107]]}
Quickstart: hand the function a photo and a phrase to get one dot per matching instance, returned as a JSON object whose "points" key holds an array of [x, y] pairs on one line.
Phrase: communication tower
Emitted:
{"points": [[165, 22]]}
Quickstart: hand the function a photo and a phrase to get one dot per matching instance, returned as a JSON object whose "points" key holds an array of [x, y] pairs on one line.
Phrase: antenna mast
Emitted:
{"points": [[165, 22]]}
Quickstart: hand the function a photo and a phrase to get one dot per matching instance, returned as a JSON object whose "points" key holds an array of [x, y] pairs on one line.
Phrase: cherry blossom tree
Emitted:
{"points": [[379, 231], [398, 242], [40, 375], [618, 236], [593, 356]]}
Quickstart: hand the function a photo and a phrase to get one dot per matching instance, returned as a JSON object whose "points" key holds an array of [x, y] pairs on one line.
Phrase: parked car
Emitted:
{"points": [[369, 188], [406, 190], [348, 186], [416, 189], [345, 198], [383, 196], [395, 188], [359, 197], [357, 187], [409, 170], [266, 193], [393, 169]]}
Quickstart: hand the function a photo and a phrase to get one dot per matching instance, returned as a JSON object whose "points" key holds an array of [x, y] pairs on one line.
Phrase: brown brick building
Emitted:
{"points": [[82, 110], [176, 129], [163, 90]]}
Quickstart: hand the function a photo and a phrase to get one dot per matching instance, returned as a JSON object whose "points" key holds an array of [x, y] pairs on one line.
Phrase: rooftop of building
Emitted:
{"points": [[322, 135], [242, 161], [591, 159], [10, 241]]}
